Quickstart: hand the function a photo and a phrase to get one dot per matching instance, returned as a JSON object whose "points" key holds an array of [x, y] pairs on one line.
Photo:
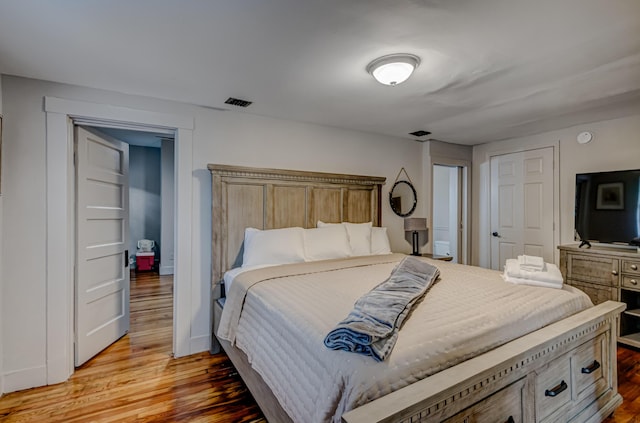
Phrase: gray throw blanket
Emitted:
{"points": [[371, 328]]}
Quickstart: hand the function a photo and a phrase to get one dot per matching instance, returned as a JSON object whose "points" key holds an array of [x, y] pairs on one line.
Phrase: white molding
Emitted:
{"points": [[60, 226], [105, 112], [555, 145], [165, 270], [60, 248], [18, 380], [200, 343], [182, 240], [464, 249]]}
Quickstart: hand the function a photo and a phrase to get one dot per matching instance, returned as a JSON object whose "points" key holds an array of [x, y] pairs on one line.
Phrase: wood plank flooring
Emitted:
{"points": [[137, 380], [628, 386]]}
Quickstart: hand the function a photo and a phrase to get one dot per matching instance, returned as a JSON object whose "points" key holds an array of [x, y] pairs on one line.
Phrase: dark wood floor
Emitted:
{"points": [[628, 386], [137, 380]]}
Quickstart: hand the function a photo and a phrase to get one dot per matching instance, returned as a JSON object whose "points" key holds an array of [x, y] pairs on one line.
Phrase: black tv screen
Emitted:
{"points": [[608, 207]]}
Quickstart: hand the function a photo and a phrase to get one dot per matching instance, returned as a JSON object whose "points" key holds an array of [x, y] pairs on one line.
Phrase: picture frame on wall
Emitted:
{"points": [[610, 196]]}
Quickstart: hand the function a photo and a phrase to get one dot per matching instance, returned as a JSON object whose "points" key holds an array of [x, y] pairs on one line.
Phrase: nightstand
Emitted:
{"points": [[443, 258]]}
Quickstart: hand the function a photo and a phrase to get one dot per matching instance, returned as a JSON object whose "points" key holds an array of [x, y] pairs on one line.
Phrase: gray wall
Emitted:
{"points": [[144, 195]]}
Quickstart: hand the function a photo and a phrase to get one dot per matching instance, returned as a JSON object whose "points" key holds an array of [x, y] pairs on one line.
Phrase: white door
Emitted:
{"points": [[447, 210], [102, 232], [522, 205]]}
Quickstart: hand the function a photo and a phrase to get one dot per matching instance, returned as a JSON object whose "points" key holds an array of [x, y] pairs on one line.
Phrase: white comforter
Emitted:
{"points": [[280, 323]]}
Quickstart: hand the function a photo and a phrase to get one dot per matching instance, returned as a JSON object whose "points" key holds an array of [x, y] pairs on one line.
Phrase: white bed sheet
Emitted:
{"points": [[468, 311], [230, 275]]}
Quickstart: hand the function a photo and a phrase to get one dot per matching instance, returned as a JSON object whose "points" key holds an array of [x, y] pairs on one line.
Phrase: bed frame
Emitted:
{"points": [[566, 371]]}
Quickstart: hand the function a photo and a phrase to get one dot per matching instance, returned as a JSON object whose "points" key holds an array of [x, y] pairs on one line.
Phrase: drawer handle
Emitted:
{"points": [[556, 389], [510, 420], [634, 267], [614, 272], [592, 368], [633, 282]]}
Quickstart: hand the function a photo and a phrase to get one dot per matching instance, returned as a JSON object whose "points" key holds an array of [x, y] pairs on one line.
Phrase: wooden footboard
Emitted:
{"points": [[563, 372]]}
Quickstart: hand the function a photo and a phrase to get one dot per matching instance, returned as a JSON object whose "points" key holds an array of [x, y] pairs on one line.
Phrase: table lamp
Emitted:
{"points": [[415, 224]]}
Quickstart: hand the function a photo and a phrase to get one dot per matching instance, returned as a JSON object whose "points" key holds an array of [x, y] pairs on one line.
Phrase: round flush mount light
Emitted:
{"points": [[584, 137], [393, 69]]}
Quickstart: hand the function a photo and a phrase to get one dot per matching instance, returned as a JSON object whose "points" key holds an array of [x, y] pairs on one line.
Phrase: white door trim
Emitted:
{"points": [[464, 249], [60, 222], [485, 238]]}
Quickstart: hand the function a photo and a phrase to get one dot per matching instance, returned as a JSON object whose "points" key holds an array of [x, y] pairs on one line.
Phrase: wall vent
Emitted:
{"points": [[238, 102], [420, 133]]}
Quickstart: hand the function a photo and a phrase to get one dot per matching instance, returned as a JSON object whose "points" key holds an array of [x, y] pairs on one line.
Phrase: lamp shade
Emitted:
{"points": [[415, 224], [394, 68]]}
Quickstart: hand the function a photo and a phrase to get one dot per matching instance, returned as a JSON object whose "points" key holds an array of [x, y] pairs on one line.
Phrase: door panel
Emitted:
{"points": [[102, 234], [522, 205]]}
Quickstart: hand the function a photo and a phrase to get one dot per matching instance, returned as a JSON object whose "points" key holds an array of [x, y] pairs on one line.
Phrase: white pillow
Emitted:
{"points": [[359, 236], [273, 246], [326, 243], [380, 241]]}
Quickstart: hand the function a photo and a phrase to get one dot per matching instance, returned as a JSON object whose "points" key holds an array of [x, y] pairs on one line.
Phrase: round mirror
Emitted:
{"points": [[403, 198]]}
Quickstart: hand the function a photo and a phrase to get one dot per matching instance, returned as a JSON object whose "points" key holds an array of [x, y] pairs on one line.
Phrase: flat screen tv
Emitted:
{"points": [[608, 207]]}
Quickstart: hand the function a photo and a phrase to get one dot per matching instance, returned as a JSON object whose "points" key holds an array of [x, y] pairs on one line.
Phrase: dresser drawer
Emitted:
{"points": [[597, 293], [631, 267], [598, 270], [590, 378], [632, 282], [552, 386], [505, 406]]}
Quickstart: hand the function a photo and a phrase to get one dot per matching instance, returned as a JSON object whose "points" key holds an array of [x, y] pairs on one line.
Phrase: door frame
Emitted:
{"points": [[60, 244], [485, 238], [464, 250]]}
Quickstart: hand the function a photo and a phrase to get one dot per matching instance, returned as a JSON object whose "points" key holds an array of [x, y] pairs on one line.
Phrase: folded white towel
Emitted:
{"points": [[551, 274], [531, 263], [530, 282]]}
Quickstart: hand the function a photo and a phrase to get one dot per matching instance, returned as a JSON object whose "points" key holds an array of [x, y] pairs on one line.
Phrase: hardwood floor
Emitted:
{"points": [[628, 386], [137, 380]]}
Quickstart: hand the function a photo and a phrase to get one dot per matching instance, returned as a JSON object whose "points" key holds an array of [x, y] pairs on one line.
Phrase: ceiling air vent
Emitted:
{"points": [[420, 133], [238, 102]]}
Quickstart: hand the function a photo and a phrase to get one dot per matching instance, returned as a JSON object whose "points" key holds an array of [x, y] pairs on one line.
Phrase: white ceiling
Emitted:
{"points": [[491, 69]]}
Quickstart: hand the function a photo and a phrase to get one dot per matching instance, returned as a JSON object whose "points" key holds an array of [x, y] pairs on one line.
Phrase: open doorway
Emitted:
{"points": [[60, 115], [151, 197], [450, 234], [125, 211]]}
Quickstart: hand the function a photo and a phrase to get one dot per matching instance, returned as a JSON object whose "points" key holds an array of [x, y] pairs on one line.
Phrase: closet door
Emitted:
{"points": [[522, 205]]}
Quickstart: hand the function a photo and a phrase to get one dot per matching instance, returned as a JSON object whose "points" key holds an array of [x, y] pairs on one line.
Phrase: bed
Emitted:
{"points": [[513, 371]]}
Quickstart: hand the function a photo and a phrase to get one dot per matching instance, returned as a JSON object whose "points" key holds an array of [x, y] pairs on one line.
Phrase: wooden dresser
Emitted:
{"points": [[607, 273]]}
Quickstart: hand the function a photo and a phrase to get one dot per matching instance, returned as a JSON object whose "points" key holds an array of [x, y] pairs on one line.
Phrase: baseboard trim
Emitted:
{"points": [[165, 270], [18, 380], [59, 370], [200, 343]]}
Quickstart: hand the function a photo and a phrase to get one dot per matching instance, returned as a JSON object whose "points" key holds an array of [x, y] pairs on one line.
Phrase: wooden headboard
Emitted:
{"points": [[272, 198]]}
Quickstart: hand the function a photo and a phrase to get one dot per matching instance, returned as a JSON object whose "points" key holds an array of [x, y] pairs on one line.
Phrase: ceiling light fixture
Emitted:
{"points": [[393, 69]]}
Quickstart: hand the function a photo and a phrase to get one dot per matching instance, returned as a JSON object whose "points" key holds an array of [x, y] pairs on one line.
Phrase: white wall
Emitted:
{"points": [[219, 137], [144, 195], [2, 321], [167, 187], [615, 146]]}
